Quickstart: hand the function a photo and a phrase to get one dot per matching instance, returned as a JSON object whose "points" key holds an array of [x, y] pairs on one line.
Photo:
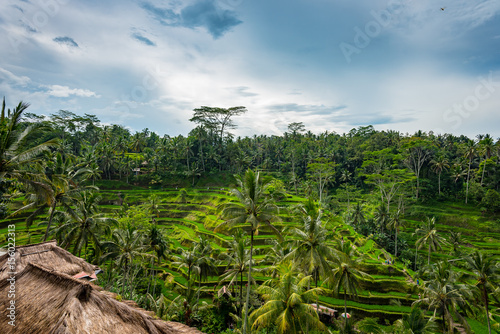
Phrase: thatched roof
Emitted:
{"points": [[48, 255], [51, 302]]}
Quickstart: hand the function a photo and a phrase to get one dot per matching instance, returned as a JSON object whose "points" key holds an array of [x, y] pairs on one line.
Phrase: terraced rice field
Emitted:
{"points": [[185, 218]]}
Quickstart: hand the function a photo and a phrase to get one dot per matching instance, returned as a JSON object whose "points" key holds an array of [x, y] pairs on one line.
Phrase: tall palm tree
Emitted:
{"points": [[160, 245], [429, 236], [286, 304], [439, 164], [486, 273], [237, 259], [487, 145], [126, 245], [470, 151], [253, 209], [346, 276], [311, 251], [395, 222]]}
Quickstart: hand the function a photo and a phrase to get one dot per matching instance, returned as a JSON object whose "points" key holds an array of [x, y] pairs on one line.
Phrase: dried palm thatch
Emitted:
{"points": [[51, 302], [48, 255]]}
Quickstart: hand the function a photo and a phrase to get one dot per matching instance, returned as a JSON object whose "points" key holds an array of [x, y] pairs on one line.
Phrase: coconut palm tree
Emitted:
{"points": [[487, 274], [395, 223], [237, 259], [286, 304], [21, 162], [346, 276], [253, 209], [186, 259], [84, 223], [445, 296], [311, 251], [357, 216], [429, 236], [16, 157], [455, 241], [439, 164], [415, 322], [382, 217], [160, 245], [126, 245], [470, 151], [486, 145]]}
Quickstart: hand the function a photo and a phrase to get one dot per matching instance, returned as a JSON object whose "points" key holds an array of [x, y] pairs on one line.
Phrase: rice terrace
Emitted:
{"points": [[365, 232]]}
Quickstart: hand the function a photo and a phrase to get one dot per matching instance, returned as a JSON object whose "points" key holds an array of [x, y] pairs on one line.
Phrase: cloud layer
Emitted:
{"points": [[149, 64]]}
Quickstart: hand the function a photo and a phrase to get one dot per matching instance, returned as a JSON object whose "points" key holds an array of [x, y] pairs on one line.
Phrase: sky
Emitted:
{"points": [[334, 65]]}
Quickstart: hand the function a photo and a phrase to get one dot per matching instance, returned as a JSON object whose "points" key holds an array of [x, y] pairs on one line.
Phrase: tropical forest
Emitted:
{"points": [[369, 231]]}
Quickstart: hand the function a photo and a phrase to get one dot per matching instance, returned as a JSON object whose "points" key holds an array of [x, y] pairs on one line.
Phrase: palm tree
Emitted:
{"points": [[346, 277], [126, 245], [19, 161], [395, 223], [415, 322], [357, 216], [186, 259], [237, 258], [84, 223], [487, 275], [447, 298], [429, 236], [254, 209], [470, 153], [487, 145], [286, 304], [439, 165], [159, 244], [455, 241], [310, 248], [382, 217]]}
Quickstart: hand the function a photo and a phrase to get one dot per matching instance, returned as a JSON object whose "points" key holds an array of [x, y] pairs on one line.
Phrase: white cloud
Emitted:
{"points": [[65, 91], [11, 78]]}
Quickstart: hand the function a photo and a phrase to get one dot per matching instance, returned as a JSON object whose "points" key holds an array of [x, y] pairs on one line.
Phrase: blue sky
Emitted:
{"points": [[332, 64]]}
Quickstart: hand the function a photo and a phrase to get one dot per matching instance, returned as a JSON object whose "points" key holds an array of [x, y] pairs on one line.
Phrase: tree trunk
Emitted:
{"points": [[429, 257], [53, 209], [485, 297], [396, 244], [245, 321], [468, 178], [439, 183]]}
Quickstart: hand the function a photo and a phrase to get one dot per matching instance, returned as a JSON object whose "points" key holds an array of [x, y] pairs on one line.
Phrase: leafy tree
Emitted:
{"points": [[322, 171], [418, 152]]}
